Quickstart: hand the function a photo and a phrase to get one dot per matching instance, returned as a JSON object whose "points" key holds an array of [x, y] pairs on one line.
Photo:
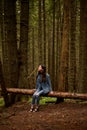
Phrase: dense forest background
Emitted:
{"points": [[50, 32]]}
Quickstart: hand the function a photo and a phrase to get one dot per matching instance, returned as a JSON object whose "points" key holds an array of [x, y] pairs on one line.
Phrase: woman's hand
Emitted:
{"points": [[51, 92]]}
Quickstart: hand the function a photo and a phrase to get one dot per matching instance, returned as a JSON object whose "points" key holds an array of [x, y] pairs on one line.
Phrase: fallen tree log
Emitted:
{"points": [[54, 94]]}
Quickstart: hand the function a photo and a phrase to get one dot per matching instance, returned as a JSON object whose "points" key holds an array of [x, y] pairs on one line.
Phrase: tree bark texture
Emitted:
{"points": [[24, 19], [72, 47], [83, 48], [9, 44], [64, 56]]}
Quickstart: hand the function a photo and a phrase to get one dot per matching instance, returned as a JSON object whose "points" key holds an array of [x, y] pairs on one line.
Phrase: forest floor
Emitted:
{"points": [[63, 116]]}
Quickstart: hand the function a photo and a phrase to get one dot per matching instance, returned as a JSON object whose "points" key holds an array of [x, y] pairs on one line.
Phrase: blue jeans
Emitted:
{"points": [[36, 97]]}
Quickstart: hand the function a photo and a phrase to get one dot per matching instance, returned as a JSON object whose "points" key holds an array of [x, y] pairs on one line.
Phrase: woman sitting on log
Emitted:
{"points": [[43, 86]]}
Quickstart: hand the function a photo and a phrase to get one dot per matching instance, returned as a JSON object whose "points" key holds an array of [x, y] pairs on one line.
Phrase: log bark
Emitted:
{"points": [[54, 94]]}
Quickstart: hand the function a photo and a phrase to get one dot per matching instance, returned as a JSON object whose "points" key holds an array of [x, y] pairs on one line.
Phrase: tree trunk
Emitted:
{"points": [[44, 31], [40, 44], [77, 41], [49, 39], [83, 47], [33, 42], [58, 41], [24, 19], [9, 45], [0, 25], [2, 83], [63, 79], [53, 47], [72, 46]]}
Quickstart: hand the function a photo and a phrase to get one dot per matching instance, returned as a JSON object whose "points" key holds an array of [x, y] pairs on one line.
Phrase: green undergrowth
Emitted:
{"points": [[44, 100], [1, 101]]}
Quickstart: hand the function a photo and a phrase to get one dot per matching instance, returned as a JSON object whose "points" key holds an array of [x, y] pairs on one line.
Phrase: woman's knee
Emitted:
{"points": [[34, 96]]}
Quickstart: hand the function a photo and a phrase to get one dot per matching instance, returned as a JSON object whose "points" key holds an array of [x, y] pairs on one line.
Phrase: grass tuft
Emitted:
{"points": [[2, 102]]}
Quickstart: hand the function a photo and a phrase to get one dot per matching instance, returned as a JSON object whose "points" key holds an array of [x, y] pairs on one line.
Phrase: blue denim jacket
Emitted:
{"points": [[45, 86]]}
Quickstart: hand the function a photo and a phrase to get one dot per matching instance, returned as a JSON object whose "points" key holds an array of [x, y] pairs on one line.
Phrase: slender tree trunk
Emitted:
{"points": [[83, 47], [40, 32], [33, 43], [33, 77], [53, 48], [24, 19], [72, 46], [77, 41], [49, 46], [58, 41], [44, 31], [63, 79]]}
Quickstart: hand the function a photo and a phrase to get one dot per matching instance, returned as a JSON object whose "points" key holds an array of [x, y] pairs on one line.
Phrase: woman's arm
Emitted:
{"points": [[38, 82], [49, 82]]}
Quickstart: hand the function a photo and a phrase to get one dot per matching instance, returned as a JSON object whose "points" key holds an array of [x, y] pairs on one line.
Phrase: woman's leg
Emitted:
{"points": [[34, 97], [38, 96], [33, 101], [32, 104], [38, 99]]}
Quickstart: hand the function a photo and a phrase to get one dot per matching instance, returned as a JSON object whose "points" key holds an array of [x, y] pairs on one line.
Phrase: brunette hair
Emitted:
{"points": [[43, 73]]}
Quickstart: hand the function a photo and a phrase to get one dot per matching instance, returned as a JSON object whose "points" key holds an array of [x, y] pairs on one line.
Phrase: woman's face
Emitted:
{"points": [[40, 68]]}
